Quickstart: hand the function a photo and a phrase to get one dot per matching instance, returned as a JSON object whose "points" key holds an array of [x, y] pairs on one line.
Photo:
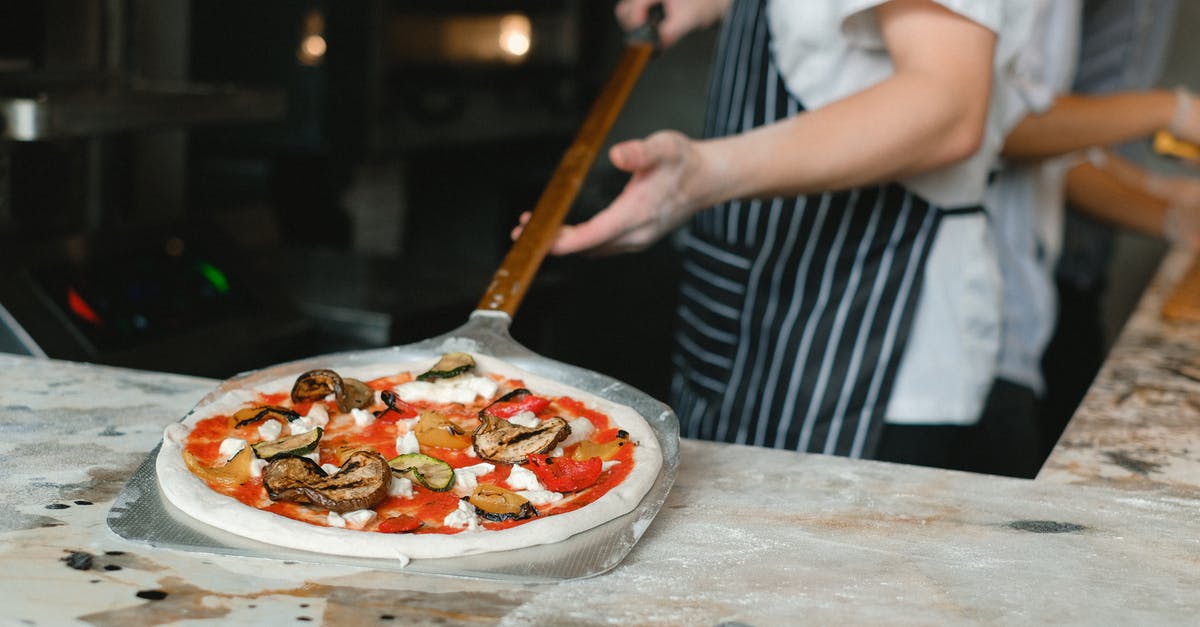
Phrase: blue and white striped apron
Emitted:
{"points": [[794, 312]]}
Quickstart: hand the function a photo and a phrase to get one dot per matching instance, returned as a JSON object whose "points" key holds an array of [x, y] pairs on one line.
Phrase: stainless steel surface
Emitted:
{"points": [[64, 112], [141, 514]]}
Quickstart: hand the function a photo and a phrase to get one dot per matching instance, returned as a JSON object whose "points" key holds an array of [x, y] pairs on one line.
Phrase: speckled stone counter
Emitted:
{"points": [[1107, 534], [1138, 429]]}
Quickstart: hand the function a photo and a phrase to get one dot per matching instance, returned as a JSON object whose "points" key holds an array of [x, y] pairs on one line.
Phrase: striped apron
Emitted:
{"points": [[793, 312]]}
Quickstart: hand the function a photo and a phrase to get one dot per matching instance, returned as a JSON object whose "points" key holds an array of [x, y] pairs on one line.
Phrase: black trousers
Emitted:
{"points": [[937, 446], [1072, 359], [1005, 441]]}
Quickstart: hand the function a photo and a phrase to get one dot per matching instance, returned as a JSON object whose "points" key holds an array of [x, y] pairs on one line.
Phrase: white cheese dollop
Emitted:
{"points": [[230, 447], [464, 517], [525, 419], [270, 429], [521, 478], [317, 415], [362, 417], [335, 519], [315, 456], [467, 477], [359, 517], [581, 429], [407, 443], [461, 389], [541, 497], [401, 487], [330, 469], [304, 424], [256, 466], [605, 465]]}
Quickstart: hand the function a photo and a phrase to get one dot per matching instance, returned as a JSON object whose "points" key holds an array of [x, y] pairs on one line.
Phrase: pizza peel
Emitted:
{"points": [[140, 513]]}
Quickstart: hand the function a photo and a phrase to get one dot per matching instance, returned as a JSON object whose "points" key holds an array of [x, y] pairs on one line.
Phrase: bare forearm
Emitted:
{"points": [[890, 131], [1107, 196], [1078, 122]]}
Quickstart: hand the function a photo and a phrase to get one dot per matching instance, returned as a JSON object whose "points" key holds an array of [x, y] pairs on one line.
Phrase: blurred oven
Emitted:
{"points": [[473, 72]]}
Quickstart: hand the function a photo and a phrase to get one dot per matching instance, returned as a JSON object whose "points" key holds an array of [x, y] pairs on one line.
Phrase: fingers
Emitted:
{"points": [[638, 155], [632, 13], [592, 235], [679, 18], [596, 235]]}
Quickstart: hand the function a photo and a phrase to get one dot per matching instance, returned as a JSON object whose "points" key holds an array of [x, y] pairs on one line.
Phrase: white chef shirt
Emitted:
{"points": [[1026, 201], [829, 50]]}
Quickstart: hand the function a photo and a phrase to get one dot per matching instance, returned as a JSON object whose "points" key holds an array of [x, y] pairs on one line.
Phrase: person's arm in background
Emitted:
{"points": [[1076, 122], [928, 114], [1117, 191]]}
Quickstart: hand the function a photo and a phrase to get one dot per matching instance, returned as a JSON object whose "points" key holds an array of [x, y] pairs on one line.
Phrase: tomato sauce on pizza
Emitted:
{"points": [[438, 452]]}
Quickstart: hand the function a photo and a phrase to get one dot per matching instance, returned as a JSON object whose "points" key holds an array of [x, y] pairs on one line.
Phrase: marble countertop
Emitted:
{"points": [[1107, 533], [1138, 428]]}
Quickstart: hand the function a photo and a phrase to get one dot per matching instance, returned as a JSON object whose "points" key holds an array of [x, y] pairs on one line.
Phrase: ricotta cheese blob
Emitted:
{"points": [[256, 466], [407, 443], [525, 419], [230, 447], [541, 497], [466, 478], [521, 478], [270, 429], [317, 415], [362, 417], [401, 487], [581, 429], [359, 517], [464, 517], [461, 389]]}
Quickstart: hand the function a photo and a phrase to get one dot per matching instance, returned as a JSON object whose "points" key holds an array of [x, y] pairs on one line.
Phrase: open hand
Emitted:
{"points": [[666, 188]]}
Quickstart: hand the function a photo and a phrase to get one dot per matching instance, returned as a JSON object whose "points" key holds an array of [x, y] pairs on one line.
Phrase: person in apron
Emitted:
{"points": [[805, 279]]}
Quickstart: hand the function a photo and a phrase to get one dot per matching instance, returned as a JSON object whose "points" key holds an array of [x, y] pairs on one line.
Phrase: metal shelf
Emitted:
{"points": [[36, 110]]}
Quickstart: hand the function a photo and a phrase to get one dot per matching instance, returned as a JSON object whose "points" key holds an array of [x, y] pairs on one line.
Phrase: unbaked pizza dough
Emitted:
{"points": [[195, 498]]}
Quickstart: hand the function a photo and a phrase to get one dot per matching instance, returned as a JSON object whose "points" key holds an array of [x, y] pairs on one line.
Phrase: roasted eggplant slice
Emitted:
{"points": [[450, 365], [361, 483], [300, 444], [498, 440], [429, 472], [250, 415], [358, 394], [317, 384], [497, 504]]}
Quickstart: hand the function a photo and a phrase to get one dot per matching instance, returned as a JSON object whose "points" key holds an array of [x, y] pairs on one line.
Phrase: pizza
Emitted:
{"points": [[438, 458]]}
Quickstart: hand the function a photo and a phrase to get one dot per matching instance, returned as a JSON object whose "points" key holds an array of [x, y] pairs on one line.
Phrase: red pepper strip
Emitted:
{"points": [[402, 523], [563, 474], [524, 402]]}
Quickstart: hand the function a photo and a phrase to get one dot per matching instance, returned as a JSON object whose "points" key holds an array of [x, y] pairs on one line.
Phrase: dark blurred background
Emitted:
{"points": [[207, 187]]}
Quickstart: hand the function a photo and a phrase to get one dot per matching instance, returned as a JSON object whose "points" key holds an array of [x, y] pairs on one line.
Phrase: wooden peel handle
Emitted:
{"points": [[516, 272]]}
